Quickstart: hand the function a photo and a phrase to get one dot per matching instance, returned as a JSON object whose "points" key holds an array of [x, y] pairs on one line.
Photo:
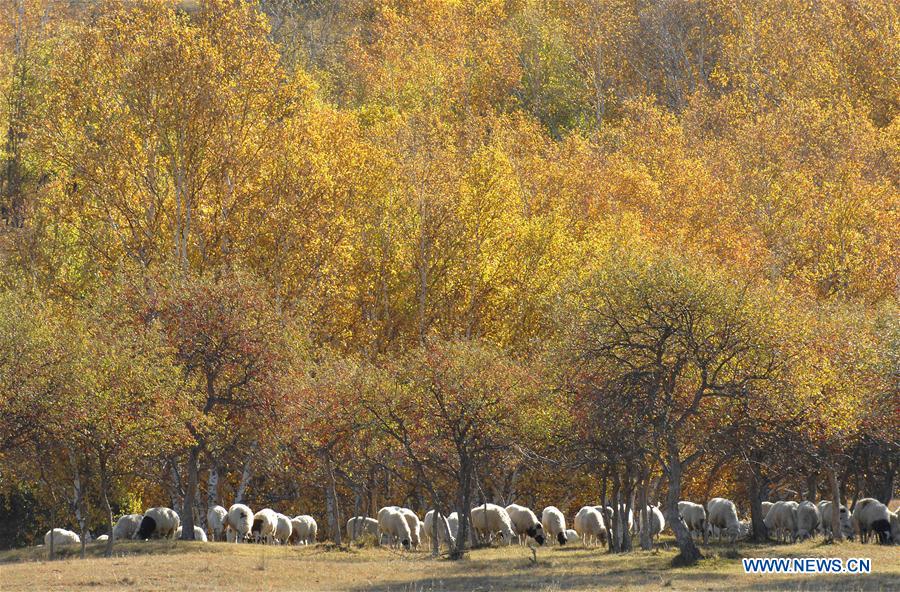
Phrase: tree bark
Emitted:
{"points": [[836, 531], [331, 501], [246, 475], [811, 486], [187, 515], [688, 551], [646, 542], [104, 495], [755, 489], [463, 501]]}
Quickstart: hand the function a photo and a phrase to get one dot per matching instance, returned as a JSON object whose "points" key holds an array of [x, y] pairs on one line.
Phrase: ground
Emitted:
{"points": [[219, 566]]}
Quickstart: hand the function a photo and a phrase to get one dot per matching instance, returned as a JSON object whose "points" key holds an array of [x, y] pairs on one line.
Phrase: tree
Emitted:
{"points": [[682, 345]]}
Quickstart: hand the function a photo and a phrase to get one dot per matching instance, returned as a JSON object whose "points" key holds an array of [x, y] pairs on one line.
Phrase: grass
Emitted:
{"points": [[199, 566]]}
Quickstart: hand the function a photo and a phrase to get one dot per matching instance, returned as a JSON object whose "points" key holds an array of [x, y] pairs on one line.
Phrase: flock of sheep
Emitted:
{"points": [[401, 527]]}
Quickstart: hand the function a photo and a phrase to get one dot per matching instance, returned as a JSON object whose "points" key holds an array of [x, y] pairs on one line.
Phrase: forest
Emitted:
{"points": [[333, 255]]}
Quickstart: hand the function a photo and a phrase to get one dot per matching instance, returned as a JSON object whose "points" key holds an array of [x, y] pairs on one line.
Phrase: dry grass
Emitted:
{"points": [[199, 566]]}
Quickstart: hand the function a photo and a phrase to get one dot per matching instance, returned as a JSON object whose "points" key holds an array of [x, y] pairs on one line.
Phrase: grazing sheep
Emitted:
{"points": [[239, 522], [102, 538], [127, 526], [766, 506], [216, 518], [489, 519], [782, 520], [283, 529], [808, 520], [694, 516], [825, 514], [61, 537], [393, 524], [870, 515], [656, 519], [264, 524], [304, 530], [453, 521], [199, 534], [363, 525], [525, 523], [722, 514], [589, 526], [158, 523], [445, 536], [572, 536], [415, 526], [554, 524]]}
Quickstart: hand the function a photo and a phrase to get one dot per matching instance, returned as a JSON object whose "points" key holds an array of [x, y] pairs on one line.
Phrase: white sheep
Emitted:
{"points": [[525, 523], [489, 519], [362, 525], [127, 526], [590, 526], [264, 524], [572, 536], [694, 516], [199, 534], [808, 520], [393, 524], [238, 523], [61, 537], [415, 526], [782, 520], [766, 506], [895, 526], [872, 516], [554, 524], [283, 529], [825, 514], [656, 519], [216, 519], [102, 538], [445, 536], [304, 530], [158, 523], [721, 513]]}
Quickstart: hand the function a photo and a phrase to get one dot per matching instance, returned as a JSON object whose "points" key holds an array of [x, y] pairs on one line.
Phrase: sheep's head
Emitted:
{"points": [[561, 537], [405, 543]]}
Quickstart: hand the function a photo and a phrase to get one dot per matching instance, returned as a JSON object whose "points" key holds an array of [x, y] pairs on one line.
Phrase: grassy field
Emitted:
{"points": [[199, 566]]}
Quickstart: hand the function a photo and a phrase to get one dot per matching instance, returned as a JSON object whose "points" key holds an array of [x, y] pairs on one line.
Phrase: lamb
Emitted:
{"points": [[525, 523], [445, 536], [694, 516], [415, 526], [554, 524], [283, 529], [216, 518], [199, 534], [304, 530], [127, 526], [393, 524], [488, 519], [158, 523], [870, 515], [239, 522], [589, 525], [722, 514], [61, 537], [825, 513], [782, 520], [808, 520], [363, 525], [572, 536], [264, 524]]}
